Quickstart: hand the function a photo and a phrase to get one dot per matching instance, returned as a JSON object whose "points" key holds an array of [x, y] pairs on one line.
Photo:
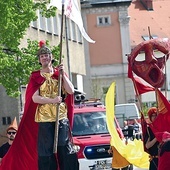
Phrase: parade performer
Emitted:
{"points": [[164, 151], [46, 96], [150, 69], [118, 161], [150, 140], [33, 147], [11, 133]]}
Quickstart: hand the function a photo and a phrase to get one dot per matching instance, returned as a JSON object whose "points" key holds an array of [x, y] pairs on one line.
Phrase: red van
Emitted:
{"points": [[90, 133]]}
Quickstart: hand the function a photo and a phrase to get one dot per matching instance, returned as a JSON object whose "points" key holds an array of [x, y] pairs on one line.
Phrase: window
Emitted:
{"points": [[41, 22], [88, 123], [104, 90], [73, 26], [68, 28], [79, 36], [55, 25], [59, 23], [103, 20], [34, 24], [6, 120], [49, 25]]}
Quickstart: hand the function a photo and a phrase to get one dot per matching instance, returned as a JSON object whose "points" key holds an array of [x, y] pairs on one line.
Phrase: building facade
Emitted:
{"points": [[117, 27], [106, 61]]}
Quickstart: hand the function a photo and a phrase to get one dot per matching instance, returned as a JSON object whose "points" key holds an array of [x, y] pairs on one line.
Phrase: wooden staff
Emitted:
{"points": [[59, 86], [150, 36], [138, 97], [165, 77]]}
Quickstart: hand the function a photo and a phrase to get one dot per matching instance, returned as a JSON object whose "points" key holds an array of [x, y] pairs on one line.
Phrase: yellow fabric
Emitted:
{"points": [[47, 112], [119, 161], [133, 152]]}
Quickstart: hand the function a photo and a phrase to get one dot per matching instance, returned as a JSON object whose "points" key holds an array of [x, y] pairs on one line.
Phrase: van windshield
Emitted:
{"points": [[89, 123]]}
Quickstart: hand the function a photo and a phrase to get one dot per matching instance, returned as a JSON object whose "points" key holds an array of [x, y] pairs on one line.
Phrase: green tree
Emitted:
{"points": [[16, 64]]}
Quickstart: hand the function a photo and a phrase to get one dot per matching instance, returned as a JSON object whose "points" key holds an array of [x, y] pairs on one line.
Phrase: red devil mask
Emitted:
{"points": [[150, 68]]}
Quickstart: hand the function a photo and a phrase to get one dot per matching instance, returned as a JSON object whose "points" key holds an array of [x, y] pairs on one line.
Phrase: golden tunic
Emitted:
{"points": [[47, 112]]}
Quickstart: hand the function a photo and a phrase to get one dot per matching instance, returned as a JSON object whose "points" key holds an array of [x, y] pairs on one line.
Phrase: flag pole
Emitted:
{"points": [[67, 47], [138, 97], [165, 77], [59, 84]]}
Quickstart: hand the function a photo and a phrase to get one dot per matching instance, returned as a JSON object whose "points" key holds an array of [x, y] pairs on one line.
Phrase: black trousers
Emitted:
{"points": [[46, 158], [47, 162], [66, 161], [153, 164]]}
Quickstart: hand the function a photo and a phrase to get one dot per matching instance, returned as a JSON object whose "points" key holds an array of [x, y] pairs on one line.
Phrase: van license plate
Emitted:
{"points": [[102, 165]]}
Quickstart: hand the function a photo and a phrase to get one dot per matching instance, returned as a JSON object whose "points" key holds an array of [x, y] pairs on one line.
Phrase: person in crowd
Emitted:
{"points": [[118, 161], [137, 128], [151, 142], [125, 124], [11, 133], [164, 151], [46, 82]]}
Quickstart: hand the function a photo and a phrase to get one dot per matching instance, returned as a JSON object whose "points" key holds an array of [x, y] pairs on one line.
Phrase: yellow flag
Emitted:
{"points": [[133, 152]]}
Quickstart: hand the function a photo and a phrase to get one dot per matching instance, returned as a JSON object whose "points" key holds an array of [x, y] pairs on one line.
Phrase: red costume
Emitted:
{"points": [[164, 163], [150, 69], [22, 155]]}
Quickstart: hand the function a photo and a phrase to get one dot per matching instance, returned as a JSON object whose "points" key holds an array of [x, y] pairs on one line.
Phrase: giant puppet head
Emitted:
{"points": [[150, 67]]}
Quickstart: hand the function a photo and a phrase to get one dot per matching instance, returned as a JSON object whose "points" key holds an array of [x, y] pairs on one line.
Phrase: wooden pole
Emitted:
{"points": [[150, 36], [59, 86], [67, 47]]}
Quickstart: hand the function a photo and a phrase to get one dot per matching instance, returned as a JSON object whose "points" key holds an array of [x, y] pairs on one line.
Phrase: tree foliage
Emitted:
{"points": [[16, 64]]}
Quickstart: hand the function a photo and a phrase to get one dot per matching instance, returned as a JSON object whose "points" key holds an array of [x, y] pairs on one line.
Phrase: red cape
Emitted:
{"points": [[22, 155], [164, 163]]}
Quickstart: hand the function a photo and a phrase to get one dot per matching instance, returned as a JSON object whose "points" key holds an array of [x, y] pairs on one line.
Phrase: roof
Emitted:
{"points": [[103, 2], [158, 20]]}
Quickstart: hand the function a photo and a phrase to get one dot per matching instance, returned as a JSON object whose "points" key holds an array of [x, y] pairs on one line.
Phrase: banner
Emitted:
{"points": [[72, 11]]}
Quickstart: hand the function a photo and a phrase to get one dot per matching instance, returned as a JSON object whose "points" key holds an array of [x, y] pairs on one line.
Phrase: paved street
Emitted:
{"points": [[136, 168]]}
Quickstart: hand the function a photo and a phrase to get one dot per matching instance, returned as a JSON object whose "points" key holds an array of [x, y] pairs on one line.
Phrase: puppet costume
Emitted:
{"points": [[23, 152], [150, 69]]}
